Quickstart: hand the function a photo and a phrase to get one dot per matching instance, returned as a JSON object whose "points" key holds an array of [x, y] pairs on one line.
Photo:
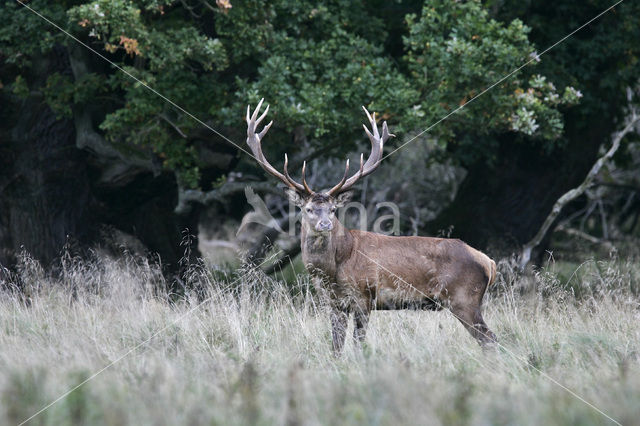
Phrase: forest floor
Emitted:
{"points": [[247, 349]]}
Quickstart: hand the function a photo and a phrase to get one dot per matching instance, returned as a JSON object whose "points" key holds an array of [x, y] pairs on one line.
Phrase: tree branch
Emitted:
{"points": [[175, 126], [186, 197], [574, 193], [580, 234], [260, 248], [87, 138]]}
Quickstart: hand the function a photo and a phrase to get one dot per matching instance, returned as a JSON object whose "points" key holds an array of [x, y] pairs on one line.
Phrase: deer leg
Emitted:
{"points": [[471, 318], [339, 319], [360, 319]]}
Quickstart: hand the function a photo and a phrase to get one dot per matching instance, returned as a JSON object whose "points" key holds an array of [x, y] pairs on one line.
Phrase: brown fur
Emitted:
{"points": [[360, 271]]}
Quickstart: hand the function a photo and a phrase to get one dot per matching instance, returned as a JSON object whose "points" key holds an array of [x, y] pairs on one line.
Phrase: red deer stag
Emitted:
{"points": [[361, 271]]}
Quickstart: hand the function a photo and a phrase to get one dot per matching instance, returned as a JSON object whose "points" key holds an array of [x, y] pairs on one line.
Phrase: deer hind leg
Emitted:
{"points": [[466, 305], [361, 320], [471, 318], [339, 320]]}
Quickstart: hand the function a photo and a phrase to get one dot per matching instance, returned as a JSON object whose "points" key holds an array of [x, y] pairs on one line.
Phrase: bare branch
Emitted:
{"points": [[172, 124], [574, 193], [580, 234], [186, 197]]}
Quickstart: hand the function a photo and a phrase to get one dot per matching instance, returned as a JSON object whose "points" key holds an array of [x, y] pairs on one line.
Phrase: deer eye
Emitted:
{"points": [[333, 209], [308, 209]]}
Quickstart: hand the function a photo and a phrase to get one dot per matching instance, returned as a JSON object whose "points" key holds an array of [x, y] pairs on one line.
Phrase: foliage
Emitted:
{"points": [[317, 78], [315, 64], [163, 51], [20, 87], [602, 59], [23, 36], [62, 92], [455, 51]]}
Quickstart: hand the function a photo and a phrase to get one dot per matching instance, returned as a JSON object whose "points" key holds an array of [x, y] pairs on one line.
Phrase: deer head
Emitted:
{"points": [[318, 208]]}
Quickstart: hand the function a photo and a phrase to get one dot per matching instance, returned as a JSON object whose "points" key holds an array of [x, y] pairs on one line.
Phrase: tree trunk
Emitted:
{"points": [[574, 193], [52, 192], [45, 190]]}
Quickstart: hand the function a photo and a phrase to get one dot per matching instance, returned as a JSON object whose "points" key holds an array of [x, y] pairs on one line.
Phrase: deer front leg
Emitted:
{"points": [[339, 318]]}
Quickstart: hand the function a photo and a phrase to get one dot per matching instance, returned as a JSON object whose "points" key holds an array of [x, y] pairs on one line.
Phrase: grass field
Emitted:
{"points": [[245, 349]]}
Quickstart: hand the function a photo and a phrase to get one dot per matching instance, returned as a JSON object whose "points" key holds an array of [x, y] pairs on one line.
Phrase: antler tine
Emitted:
{"points": [[304, 178], [254, 140], [336, 188], [361, 166], [372, 163], [372, 122], [304, 187]]}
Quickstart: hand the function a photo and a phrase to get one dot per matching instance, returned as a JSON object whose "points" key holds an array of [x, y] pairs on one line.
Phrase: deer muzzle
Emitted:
{"points": [[324, 225]]}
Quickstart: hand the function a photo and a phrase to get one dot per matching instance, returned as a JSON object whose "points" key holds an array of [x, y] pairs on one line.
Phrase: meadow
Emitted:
{"points": [[245, 348]]}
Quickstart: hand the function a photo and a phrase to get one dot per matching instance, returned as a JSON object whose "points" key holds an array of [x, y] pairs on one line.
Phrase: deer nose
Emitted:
{"points": [[324, 225]]}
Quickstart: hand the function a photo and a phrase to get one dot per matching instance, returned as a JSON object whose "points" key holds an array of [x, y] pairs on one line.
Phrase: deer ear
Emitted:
{"points": [[294, 197], [343, 198]]}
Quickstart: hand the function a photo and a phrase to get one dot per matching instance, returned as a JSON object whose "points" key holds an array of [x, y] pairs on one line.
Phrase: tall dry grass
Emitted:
{"points": [[243, 348]]}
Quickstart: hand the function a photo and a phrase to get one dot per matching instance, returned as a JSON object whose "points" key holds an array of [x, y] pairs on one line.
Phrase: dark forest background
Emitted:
{"points": [[87, 152]]}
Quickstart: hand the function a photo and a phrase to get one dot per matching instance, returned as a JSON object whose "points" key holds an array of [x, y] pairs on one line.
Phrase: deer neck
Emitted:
{"points": [[322, 253]]}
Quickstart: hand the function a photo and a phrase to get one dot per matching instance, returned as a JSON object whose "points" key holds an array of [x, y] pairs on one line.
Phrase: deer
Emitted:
{"points": [[361, 271]]}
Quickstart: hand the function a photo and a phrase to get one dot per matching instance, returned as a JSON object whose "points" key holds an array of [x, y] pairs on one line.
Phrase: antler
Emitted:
{"points": [[255, 143], [377, 144]]}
